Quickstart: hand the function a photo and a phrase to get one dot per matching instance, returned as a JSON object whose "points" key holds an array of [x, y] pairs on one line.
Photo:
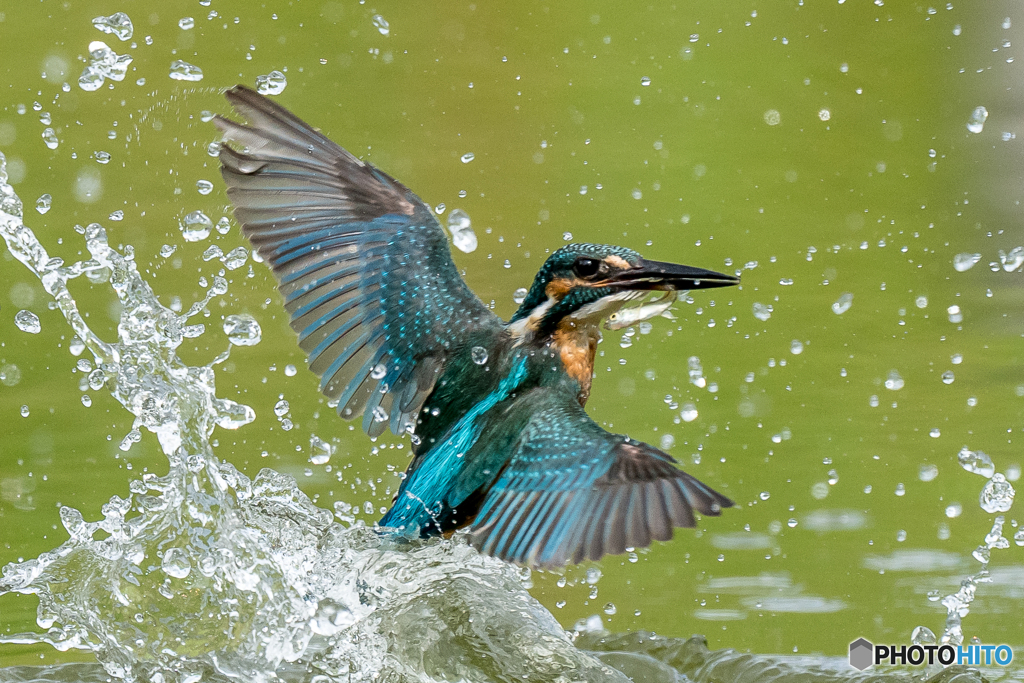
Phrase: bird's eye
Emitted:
{"points": [[586, 267]]}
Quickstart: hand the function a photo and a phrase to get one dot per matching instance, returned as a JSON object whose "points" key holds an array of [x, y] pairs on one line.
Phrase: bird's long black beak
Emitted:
{"points": [[661, 276]]}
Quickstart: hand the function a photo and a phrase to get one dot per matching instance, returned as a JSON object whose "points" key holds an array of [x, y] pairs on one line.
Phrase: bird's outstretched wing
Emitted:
{"points": [[573, 491], [363, 265]]}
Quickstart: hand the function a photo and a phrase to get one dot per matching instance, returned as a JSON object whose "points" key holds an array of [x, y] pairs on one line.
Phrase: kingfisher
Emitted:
{"points": [[501, 442]]}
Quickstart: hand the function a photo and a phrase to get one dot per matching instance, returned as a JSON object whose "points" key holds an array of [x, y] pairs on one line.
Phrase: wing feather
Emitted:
{"points": [[573, 491], [362, 263]]}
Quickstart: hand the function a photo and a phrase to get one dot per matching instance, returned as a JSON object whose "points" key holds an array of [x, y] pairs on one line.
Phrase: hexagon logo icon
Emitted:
{"points": [[861, 652]]}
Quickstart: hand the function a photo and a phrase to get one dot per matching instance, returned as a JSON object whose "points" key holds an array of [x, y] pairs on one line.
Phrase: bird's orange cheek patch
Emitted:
{"points": [[559, 287]]}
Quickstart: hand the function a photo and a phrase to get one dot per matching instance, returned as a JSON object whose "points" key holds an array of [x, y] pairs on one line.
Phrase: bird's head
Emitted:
{"points": [[580, 284]]}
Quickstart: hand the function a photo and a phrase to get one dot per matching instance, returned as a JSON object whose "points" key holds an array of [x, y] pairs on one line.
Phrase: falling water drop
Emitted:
{"points": [[273, 83], [183, 71], [976, 123], [27, 321], [242, 330]]}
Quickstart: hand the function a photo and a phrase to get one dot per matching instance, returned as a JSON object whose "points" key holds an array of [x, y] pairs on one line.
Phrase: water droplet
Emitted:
{"points": [[25, 411], [281, 408], [935, 433], [948, 377], [43, 203], [86, 400], [977, 462], [117, 24], [567, 236], [762, 311], [273, 83], [382, 24], [927, 472], [1013, 260], [461, 229], [796, 347], [772, 117], [955, 314], [236, 258], [196, 226], [97, 378], [319, 450], [379, 415], [842, 304], [824, 114], [439, 209], [894, 382], [290, 370], [242, 330], [50, 138], [609, 608], [176, 563], [116, 215], [27, 321], [953, 510], [519, 296], [921, 302], [765, 495], [186, 23], [104, 63], [997, 496], [204, 186], [183, 71], [976, 123], [689, 412], [786, 281], [645, 81], [101, 157], [468, 157], [478, 354], [223, 225], [964, 262]]}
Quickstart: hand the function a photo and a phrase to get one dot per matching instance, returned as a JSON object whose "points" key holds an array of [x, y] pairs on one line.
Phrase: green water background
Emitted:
{"points": [[766, 129]]}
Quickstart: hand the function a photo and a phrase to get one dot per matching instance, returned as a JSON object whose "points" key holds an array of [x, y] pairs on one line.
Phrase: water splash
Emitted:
{"points": [[204, 572], [996, 496]]}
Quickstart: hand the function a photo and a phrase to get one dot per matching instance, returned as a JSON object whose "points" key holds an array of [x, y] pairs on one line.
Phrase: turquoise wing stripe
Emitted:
{"points": [[423, 495]]}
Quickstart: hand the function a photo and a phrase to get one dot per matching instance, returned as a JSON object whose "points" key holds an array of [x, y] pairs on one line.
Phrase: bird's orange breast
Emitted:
{"points": [[577, 346]]}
